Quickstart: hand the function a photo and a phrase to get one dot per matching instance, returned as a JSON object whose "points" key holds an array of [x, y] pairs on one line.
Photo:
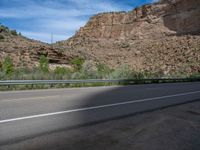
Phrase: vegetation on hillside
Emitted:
{"points": [[7, 30], [87, 70], [82, 69]]}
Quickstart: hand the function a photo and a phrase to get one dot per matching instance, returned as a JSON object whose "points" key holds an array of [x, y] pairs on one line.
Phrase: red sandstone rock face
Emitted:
{"points": [[122, 25], [183, 16], [162, 37]]}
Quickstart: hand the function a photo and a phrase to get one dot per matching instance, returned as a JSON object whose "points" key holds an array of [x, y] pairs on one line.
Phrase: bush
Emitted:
{"points": [[78, 75], [44, 64], [4, 28], [7, 66], [13, 32], [195, 75], [125, 45], [2, 37], [62, 72], [24, 73], [123, 72], [2, 75], [103, 70], [90, 70], [77, 63]]}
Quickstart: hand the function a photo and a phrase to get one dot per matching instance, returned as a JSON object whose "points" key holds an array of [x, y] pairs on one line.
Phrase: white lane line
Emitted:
{"points": [[96, 107]]}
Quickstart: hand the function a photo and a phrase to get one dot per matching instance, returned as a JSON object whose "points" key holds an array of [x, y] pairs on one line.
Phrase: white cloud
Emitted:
{"points": [[154, 1], [61, 25], [46, 37], [5, 14], [62, 17]]}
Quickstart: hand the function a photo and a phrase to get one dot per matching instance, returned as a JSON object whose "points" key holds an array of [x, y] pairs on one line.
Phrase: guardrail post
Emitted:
{"points": [[51, 85]]}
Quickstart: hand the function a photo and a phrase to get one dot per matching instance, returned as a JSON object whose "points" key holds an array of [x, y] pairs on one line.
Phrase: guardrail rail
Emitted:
{"points": [[120, 81]]}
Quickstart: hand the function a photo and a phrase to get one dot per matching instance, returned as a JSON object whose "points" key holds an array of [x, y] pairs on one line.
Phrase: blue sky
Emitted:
{"points": [[37, 19]]}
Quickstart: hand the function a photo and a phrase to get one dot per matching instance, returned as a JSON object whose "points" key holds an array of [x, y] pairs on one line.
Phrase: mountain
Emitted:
{"points": [[163, 37], [26, 52]]}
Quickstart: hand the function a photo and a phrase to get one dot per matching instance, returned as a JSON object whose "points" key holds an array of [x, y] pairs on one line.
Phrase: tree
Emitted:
{"points": [[14, 32], [44, 64], [7, 66]]}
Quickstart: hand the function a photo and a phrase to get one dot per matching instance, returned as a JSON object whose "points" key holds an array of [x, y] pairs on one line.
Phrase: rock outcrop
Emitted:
{"points": [[183, 16], [159, 38], [163, 37], [26, 52]]}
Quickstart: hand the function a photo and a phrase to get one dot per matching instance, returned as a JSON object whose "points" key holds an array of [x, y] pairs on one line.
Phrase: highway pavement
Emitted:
{"points": [[29, 114]]}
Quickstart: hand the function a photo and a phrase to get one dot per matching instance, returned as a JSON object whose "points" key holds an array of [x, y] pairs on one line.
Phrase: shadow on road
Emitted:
{"points": [[69, 137]]}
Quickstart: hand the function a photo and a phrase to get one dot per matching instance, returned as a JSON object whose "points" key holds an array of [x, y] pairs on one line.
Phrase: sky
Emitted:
{"points": [[38, 19]]}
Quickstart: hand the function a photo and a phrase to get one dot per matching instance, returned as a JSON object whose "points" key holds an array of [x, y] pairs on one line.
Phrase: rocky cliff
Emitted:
{"points": [[183, 16], [26, 52], [162, 37], [159, 38]]}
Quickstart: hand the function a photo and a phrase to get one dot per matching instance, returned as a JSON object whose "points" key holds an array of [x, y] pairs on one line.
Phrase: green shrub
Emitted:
{"points": [[125, 45], [123, 72], [2, 37], [13, 32], [4, 28], [23, 73], [7, 66], [195, 75], [77, 63], [78, 75], [62, 73], [61, 70], [44, 64], [89, 69], [2, 75], [103, 70]]}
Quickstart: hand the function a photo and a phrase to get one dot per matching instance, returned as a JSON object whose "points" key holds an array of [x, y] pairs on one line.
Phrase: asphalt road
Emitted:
{"points": [[29, 114]]}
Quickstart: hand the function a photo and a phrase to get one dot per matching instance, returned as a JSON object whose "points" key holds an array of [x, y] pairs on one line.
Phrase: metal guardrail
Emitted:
{"points": [[25, 82], [120, 81]]}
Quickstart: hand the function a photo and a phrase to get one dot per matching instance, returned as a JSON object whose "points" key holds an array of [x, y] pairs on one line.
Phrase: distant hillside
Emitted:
{"points": [[26, 52], [163, 37]]}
